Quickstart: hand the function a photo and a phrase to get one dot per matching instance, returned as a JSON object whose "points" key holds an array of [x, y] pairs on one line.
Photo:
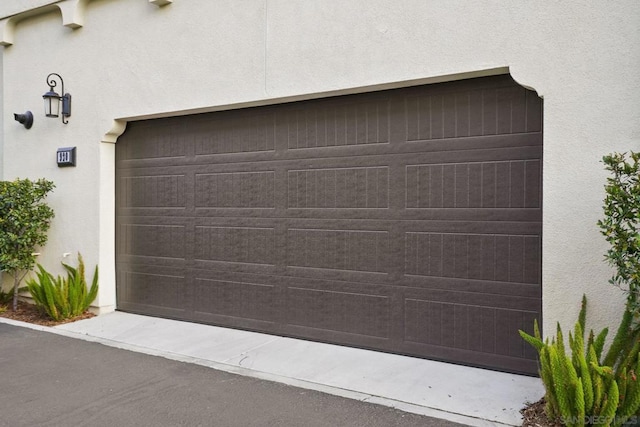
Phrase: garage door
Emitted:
{"points": [[406, 221]]}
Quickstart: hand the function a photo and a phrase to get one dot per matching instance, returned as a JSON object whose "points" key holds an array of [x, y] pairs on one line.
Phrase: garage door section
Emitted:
{"points": [[406, 221]]}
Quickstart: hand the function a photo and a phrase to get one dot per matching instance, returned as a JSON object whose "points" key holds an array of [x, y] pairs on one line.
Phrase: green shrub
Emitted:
{"points": [[581, 389], [63, 298], [621, 223], [25, 218]]}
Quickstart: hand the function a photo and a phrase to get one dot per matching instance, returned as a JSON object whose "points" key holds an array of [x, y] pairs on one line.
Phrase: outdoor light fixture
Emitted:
{"points": [[52, 100], [25, 119]]}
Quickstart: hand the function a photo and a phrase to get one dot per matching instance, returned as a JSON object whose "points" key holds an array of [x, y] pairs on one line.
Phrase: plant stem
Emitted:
{"points": [[16, 281]]}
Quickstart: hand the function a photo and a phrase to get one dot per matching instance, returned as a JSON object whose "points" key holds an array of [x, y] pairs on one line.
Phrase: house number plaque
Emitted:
{"points": [[66, 156]]}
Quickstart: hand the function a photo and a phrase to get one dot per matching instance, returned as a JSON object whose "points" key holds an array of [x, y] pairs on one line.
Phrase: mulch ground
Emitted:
{"points": [[533, 415], [31, 314]]}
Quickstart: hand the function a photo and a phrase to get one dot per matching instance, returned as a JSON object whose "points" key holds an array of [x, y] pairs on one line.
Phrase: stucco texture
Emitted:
{"points": [[132, 59]]}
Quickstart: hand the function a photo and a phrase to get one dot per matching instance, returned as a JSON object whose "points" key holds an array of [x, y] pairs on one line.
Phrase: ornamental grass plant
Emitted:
{"points": [[581, 387], [63, 297]]}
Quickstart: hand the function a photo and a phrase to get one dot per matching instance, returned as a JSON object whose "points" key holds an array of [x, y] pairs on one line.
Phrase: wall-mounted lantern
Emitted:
{"points": [[52, 100], [25, 119]]}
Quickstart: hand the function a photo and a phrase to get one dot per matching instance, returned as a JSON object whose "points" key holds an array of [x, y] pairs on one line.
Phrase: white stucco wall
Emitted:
{"points": [[131, 59], [1, 123]]}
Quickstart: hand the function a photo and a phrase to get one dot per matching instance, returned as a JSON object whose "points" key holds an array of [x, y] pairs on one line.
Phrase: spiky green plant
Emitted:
{"points": [[581, 389], [63, 298]]}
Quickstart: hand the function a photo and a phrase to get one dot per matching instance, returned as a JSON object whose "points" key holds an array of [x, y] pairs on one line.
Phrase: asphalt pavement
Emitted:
{"points": [[52, 380]]}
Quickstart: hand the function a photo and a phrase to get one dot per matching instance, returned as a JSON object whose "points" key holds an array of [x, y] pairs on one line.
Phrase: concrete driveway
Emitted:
{"points": [[52, 380]]}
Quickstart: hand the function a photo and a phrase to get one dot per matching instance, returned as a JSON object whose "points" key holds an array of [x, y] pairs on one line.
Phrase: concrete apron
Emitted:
{"points": [[456, 393]]}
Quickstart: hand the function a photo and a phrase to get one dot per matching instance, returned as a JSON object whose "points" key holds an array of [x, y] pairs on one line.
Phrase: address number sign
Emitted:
{"points": [[66, 156]]}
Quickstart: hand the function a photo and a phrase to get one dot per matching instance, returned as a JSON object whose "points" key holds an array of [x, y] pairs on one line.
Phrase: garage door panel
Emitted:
{"points": [[529, 219], [339, 337], [340, 154], [159, 290], [408, 154], [248, 245], [261, 222], [164, 241], [234, 321], [464, 185], [142, 213], [230, 272], [338, 249], [501, 110], [221, 297], [246, 189], [203, 163], [239, 131], [508, 342], [315, 154], [516, 146], [334, 123], [338, 188], [488, 357], [154, 262], [498, 157], [162, 143], [519, 219], [493, 142], [490, 142], [505, 301], [220, 267], [457, 325], [521, 191], [154, 310], [364, 278], [534, 112], [153, 191], [529, 291], [354, 313], [151, 217], [513, 219], [507, 258], [507, 119], [406, 221], [532, 259], [495, 227], [335, 285], [243, 213]]}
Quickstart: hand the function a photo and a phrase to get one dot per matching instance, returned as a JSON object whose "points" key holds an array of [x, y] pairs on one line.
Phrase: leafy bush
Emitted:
{"points": [[621, 223], [24, 220], [621, 228], [63, 298], [580, 388]]}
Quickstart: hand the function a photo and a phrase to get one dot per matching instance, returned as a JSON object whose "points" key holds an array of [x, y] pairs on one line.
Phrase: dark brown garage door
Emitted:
{"points": [[406, 221]]}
